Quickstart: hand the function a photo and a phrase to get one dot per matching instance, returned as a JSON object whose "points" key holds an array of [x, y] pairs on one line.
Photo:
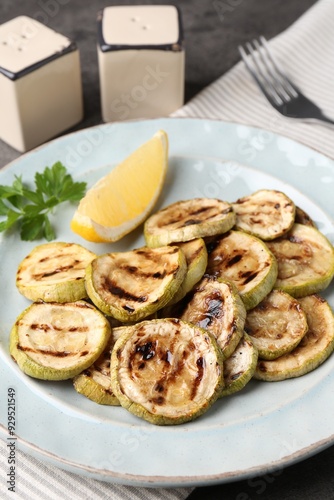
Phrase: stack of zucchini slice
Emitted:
{"points": [[222, 293]]}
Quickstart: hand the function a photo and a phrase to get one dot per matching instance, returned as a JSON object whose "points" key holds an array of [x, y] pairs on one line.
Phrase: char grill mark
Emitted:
{"points": [[262, 367], [56, 354], [213, 244], [214, 309], [195, 254], [233, 260], [121, 293], [154, 256], [78, 305], [240, 201], [62, 269], [191, 222], [143, 274], [161, 385], [248, 276], [197, 216], [45, 328], [200, 366], [201, 210], [150, 351], [128, 308], [147, 350]]}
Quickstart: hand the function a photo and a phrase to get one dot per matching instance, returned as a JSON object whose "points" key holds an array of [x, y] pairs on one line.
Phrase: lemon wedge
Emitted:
{"points": [[121, 200]]}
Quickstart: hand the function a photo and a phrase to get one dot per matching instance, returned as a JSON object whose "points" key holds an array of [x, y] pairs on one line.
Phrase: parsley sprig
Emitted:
{"points": [[29, 210]]}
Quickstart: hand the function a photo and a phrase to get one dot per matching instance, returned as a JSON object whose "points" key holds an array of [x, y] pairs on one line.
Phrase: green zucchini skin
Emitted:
{"points": [[314, 348], [245, 260], [131, 286], [276, 325], [188, 219], [267, 214], [166, 371], [54, 272], [215, 305], [239, 368], [94, 382], [197, 259], [305, 260], [52, 341]]}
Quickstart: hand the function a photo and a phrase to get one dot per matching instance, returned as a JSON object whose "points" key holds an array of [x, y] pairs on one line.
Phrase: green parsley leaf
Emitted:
{"points": [[3, 208], [29, 209]]}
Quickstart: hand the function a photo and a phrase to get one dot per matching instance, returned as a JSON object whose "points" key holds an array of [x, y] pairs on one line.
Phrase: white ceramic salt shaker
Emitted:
{"points": [[40, 83], [141, 61]]}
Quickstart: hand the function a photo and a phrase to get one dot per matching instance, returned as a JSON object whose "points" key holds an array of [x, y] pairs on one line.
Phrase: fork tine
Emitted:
{"points": [[288, 87], [259, 75], [272, 75]]}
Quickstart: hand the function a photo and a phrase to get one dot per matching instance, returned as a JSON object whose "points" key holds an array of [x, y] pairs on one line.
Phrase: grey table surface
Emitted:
{"points": [[212, 29]]}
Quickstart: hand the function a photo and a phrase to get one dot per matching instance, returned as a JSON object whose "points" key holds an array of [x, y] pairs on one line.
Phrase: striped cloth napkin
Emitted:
{"points": [[307, 51]]}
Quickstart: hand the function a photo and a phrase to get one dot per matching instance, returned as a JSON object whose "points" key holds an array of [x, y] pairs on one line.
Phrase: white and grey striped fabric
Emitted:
{"points": [[307, 50]]}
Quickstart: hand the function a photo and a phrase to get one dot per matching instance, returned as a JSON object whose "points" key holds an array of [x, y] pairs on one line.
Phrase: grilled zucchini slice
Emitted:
{"points": [[245, 260], [215, 305], [239, 368], [130, 286], [305, 261], [52, 341], [276, 325], [188, 219], [54, 272], [267, 213], [197, 259], [94, 382], [166, 371], [302, 217], [315, 347]]}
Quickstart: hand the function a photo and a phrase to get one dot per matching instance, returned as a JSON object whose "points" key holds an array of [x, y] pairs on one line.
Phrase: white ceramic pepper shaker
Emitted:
{"points": [[141, 61], [40, 83]]}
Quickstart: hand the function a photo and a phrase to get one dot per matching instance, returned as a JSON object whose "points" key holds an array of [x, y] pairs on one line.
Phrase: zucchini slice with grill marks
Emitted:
{"points": [[53, 341], [302, 217], [188, 219], [94, 382], [130, 286], [314, 348], [196, 258], [166, 371], [276, 325], [305, 261], [215, 305], [54, 272], [239, 368], [245, 260], [267, 213]]}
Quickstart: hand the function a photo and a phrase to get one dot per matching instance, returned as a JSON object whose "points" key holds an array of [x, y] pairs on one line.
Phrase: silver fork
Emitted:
{"points": [[282, 94]]}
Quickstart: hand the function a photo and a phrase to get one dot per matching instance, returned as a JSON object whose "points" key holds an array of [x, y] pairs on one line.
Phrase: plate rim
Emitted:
{"points": [[182, 480]]}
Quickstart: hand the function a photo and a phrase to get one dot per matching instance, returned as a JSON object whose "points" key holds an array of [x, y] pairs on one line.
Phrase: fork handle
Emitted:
{"points": [[326, 119], [320, 120]]}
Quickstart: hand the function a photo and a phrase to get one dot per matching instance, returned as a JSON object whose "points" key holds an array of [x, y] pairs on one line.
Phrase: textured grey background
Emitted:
{"points": [[212, 29]]}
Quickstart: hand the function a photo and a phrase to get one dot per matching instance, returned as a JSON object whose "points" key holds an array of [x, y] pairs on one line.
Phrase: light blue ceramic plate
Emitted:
{"points": [[265, 426]]}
